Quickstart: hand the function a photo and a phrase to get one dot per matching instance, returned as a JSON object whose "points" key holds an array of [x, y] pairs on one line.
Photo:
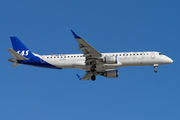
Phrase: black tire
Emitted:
{"points": [[93, 77], [155, 71], [92, 69], [94, 66]]}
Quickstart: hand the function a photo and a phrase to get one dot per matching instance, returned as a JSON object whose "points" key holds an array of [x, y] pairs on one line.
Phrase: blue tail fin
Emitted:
{"points": [[20, 48]]}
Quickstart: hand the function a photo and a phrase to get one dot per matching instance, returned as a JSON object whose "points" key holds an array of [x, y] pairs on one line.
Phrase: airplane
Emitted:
{"points": [[94, 62]]}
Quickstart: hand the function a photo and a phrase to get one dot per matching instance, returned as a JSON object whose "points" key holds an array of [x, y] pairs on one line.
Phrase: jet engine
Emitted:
{"points": [[110, 59], [111, 74]]}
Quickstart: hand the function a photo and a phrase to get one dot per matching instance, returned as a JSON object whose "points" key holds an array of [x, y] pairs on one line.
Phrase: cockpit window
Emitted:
{"points": [[160, 54]]}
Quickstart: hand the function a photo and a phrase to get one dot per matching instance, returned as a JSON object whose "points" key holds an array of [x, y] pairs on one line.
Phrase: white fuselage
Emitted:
{"points": [[94, 62], [124, 59]]}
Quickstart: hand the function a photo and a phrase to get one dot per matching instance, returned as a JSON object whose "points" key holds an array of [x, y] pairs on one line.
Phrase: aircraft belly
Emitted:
{"points": [[144, 62], [81, 65], [61, 63]]}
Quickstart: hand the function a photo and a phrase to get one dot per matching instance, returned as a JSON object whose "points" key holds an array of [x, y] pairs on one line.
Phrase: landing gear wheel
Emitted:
{"points": [[93, 77], [94, 66], [155, 68], [92, 70]]}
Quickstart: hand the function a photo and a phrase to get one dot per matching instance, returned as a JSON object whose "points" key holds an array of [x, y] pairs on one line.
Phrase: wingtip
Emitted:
{"points": [[78, 77], [76, 36]]}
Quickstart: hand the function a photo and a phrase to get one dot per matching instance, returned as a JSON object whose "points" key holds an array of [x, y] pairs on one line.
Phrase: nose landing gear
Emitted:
{"points": [[155, 68]]}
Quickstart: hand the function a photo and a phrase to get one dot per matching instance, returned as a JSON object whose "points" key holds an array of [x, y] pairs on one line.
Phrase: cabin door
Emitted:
{"points": [[42, 59], [152, 55]]}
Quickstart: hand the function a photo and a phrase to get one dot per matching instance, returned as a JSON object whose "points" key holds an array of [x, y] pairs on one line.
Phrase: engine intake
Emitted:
{"points": [[111, 74], [110, 59]]}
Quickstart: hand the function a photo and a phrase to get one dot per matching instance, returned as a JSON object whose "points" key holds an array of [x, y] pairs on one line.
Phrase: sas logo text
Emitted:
{"points": [[23, 53]]}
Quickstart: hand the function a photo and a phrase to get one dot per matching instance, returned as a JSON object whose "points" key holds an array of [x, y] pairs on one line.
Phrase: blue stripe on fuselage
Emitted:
{"points": [[36, 61]]}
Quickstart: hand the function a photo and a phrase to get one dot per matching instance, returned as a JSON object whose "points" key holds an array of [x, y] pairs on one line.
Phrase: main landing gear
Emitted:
{"points": [[93, 69], [93, 77], [155, 68]]}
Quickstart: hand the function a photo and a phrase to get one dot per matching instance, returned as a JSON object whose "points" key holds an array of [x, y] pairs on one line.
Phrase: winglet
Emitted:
{"points": [[78, 77], [75, 34]]}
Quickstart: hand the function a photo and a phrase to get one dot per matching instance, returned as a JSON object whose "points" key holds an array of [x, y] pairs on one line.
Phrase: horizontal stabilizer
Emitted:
{"points": [[15, 64], [16, 55]]}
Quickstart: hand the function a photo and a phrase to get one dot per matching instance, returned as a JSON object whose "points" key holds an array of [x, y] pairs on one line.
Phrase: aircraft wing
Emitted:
{"points": [[88, 51], [88, 75]]}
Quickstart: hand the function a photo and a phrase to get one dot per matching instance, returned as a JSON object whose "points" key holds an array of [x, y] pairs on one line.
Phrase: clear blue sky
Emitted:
{"points": [[31, 93]]}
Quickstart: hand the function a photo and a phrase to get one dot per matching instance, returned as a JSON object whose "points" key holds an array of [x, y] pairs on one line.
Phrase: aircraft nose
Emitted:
{"points": [[170, 60]]}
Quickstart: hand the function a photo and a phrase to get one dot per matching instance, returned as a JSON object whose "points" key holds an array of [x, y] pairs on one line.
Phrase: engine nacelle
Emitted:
{"points": [[110, 59], [111, 74]]}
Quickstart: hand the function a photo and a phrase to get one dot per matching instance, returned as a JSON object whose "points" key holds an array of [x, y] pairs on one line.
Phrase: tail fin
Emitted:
{"points": [[20, 48]]}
